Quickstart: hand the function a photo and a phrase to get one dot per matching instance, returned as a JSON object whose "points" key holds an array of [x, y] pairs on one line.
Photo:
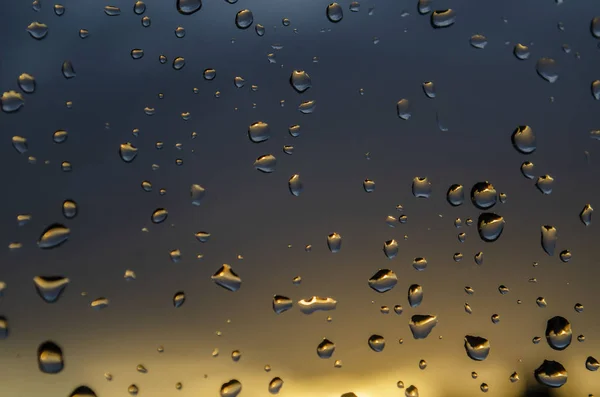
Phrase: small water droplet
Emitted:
{"points": [[544, 184], [421, 187], [478, 41], [403, 109], [443, 18], [586, 214]]}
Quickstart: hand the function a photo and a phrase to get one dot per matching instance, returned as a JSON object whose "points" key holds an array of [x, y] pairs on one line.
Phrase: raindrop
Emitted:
{"points": [[26, 83], [67, 70], [244, 19], [421, 187], [295, 185], [275, 385], [565, 256], [180, 32], [50, 288], [596, 89], [514, 377], [422, 364], [197, 193], [188, 7], [60, 136], [390, 249], [100, 303], [490, 226], [455, 195], [483, 195], [334, 242], [586, 214], [429, 89], [139, 7], [422, 325], [420, 264], [54, 236], [527, 169], [403, 109], [325, 349], [334, 12], [415, 295], [383, 281], [523, 139], [178, 299], [209, 74], [595, 27], [260, 29], [411, 391], [592, 364], [521, 51], [133, 390], [128, 152], [547, 68], [281, 304], [12, 101], [20, 144], [159, 215], [424, 7], [266, 163], [495, 318], [50, 358], [225, 277], [307, 107], [477, 348], [376, 343], [544, 184], [316, 303], [259, 132], [178, 63], [203, 237], [369, 185], [443, 18], [541, 302], [83, 391], [478, 41], [558, 333], [112, 11], [549, 238], [551, 374], [355, 6]]}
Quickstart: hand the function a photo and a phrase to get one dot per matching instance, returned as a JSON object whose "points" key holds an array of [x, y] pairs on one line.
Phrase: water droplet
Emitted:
{"points": [[54, 236], [477, 348], [334, 242], [26, 83], [275, 385], [551, 374], [59, 9], [37, 30], [411, 391], [281, 304], [383, 281], [334, 12], [175, 256], [225, 277], [285, 22], [82, 391], [422, 325], [420, 264], [521, 51], [455, 195], [443, 18], [549, 238], [558, 333], [478, 258], [316, 303], [369, 185], [133, 390], [112, 11], [129, 275], [390, 249], [490, 226], [137, 53], [422, 364], [178, 299], [403, 109], [592, 364], [12, 101], [159, 215], [307, 107], [565, 256], [468, 309], [523, 139], [495, 318], [457, 257], [586, 214], [203, 237], [99, 303], [50, 358], [139, 7], [421, 187], [209, 74], [188, 7], [260, 29], [415, 295], [424, 7], [128, 152], [376, 343], [527, 169], [541, 302], [266, 163], [69, 209], [295, 185], [483, 195], [20, 144], [244, 19], [398, 309], [178, 63], [478, 41], [50, 288], [595, 27], [197, 193], [547, 68], [259, 132], [68, 70], [544, 184], [429, 89]]}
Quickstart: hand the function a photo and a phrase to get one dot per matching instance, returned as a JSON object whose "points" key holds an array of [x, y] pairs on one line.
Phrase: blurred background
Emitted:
{"points": [[98, 111]]}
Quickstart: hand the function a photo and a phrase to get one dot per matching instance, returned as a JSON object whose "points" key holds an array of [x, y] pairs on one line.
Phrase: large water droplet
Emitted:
{"points": [[523, 139], [50, 358], [443, 18], [281, 304], [477, 348], [411, 391], [275, 385], [490, 226], [244, 19], [54, 236], [422, 325], [549, 238], [112, 11], [139, 7], [295, 185], [415, 295], [259, 132], [455, 195], [334, 242], [159, 215], [127, 152], [390, 249], [551, 374], [188, 7], [592, 364], [376, 343], [334, 12], [266, 163], [547, 68], [421, 187], [544, 184], [325, 349], [82, 391], [50, 288], [483, 195], [26, 83], [197, 193], [316, 303], [37, 30], [12, 101], [383, 281], [558, 333], [403, 109], [225, 277]]}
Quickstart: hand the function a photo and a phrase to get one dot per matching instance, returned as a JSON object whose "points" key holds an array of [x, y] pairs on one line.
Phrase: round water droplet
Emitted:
{"points": [[443, 18], [383, 281], [421, 187], [50, 358], [483, 195], [477, 348], [376, 343], [495, 318], [527, 169], [209, 74], [266, 163], [159, 215], [178, 63], [541, 302], [455, 195], [411, 391], [82, 391], [26, 83], [544, 184], [549, 239], [139, 7], [137, 53], [420, 264], [422, 364], [244, 19], [398, 309], [69, 208], [231, 388], [558, 333], [60, 136], [259, 132], [490, 226], [188, 7], [334, 12], [478, 41], [547, 68], [551, 374], [275, 385], [295, 185], [37, 30], [521, 51], [180, 32], [523, 139], [403, 109], [592, 364], [133, 390], [334, 242], [128, 152], [12, 101], [565, 256], [54, 236], [178, 299]]}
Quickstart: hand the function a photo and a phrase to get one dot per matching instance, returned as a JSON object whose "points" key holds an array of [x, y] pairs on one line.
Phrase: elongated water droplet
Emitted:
{"points": [[275, 385], [139, 7], [54, 236], [178, 299], [334, 242], [69, 209], [68, 70], [415, 295], [369, 185], [225, 277], [197, 193], [595, 27], [316, 303], [429, 89], [295, 185], [112, 11], [390, 249], [266, 163], [281, 304], [549, 238], [383, 281], [455, 195], [159, 215], [586, 214], [422, 325], [403, 109], [477, 348], [376, 343], [443, 18], [421, 187], [188, 7], [547, 68], [50, 288], [50, 358], [12, 101], [551, 374]]}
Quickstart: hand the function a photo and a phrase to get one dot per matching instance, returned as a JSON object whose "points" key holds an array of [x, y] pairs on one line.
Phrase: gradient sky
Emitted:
{"points": [[482, 96]]}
